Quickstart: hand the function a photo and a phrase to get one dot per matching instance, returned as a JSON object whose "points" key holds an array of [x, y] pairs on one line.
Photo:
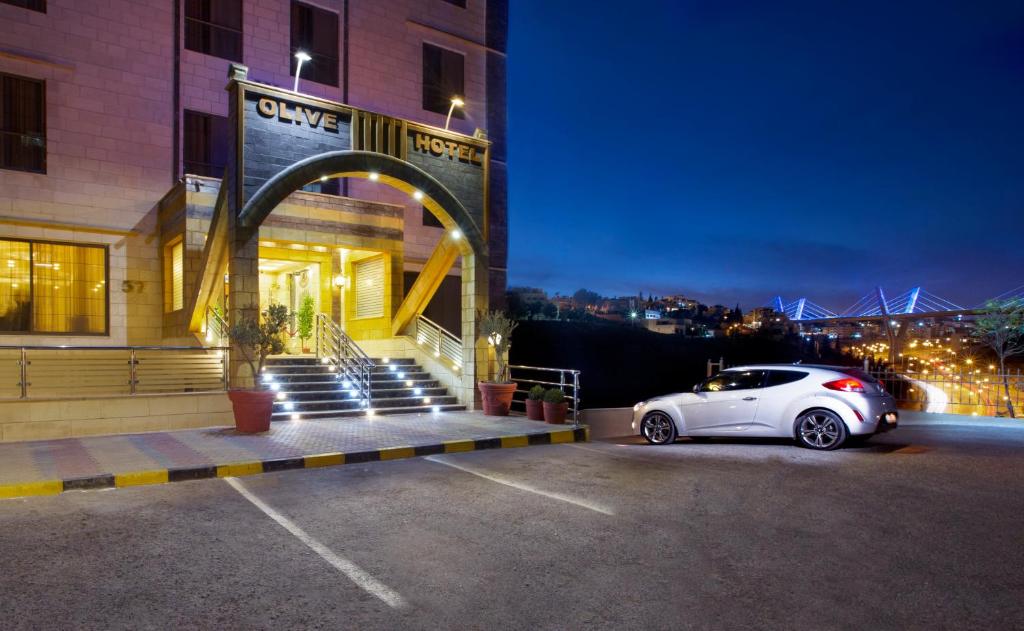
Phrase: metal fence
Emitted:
{"points": [[54, 372], [565, 379], [976, 392]]}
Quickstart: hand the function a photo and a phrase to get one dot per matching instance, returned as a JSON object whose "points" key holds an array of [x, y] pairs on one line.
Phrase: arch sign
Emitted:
{"points": [[280, 140]]}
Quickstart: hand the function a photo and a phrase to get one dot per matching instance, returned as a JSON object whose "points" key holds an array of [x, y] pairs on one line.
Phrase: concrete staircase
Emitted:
{"points": [[309, 389]]}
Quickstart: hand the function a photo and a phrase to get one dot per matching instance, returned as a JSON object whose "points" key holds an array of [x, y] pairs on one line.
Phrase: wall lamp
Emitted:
{"points": [[456, 102], [302, 57]]}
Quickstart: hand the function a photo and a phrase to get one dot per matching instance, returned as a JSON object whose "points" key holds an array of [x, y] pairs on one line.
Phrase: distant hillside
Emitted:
{"points": [[622, 365]]}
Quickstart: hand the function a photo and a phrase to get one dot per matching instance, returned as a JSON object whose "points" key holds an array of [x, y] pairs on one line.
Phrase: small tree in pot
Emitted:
{"points": [[256, 341], [496, 328], [555, 406], [535, 404], [305, 317]]}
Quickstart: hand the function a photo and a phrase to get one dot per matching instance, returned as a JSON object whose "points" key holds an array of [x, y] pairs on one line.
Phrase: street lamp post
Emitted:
{"points": [[302, 57], [456, 102]]}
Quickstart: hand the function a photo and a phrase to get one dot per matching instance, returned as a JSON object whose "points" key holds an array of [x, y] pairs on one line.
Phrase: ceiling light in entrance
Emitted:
{"points": [[374, 176], [417, 195]]}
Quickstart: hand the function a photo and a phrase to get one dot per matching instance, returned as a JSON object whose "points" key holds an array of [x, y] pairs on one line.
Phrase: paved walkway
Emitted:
{"points": [[92, 462]]}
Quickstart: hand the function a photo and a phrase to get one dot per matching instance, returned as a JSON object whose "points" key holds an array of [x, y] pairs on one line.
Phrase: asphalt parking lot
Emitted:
{"points": [[920, 528]]}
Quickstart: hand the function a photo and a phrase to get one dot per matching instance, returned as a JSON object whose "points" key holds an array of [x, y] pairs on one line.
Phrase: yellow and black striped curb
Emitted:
{"points": [[235, 469]]}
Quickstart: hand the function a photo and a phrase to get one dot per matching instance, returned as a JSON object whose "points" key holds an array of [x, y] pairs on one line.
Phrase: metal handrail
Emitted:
{"points": [[351, 363], [221, 330], [572, 383], [24, 361], [440, 340]]}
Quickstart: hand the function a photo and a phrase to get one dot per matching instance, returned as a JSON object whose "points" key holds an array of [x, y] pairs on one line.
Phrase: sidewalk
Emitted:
{"points": [[54, 466]]}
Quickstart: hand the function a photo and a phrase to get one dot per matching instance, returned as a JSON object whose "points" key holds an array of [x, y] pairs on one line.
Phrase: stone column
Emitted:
{"points": [[475, 351]]}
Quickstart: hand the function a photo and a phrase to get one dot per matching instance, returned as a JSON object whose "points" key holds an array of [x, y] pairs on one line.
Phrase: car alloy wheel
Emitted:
{"points": [[658, 428], [821, 429]]}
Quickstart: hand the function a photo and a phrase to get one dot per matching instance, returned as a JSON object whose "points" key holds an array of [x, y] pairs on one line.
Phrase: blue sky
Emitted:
{"points": [[735, 150]]}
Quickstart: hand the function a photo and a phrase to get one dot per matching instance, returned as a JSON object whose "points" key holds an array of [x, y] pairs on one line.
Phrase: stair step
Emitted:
{"points": [[328, 414], [393, 360]]}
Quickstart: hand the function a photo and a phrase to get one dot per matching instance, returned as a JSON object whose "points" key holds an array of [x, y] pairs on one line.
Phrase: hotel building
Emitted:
{"points": [[164, 173]]}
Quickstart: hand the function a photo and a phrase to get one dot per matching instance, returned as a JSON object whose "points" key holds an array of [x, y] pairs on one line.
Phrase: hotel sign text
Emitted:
{"points": [[425, 143], [296, 114]]}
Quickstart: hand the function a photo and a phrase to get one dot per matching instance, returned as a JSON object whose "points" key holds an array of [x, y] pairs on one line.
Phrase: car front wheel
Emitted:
{"points": [[820, 429], [658, 428]]}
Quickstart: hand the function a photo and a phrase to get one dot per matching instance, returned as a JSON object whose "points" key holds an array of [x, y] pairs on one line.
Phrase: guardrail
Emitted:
{"points": [[350, 362], [55, 372], [215, 328], [568, 381], [438, 340], [974, 392]]}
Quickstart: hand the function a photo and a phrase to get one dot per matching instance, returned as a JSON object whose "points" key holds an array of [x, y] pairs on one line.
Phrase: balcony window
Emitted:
{"points": [[315, 32], [22, 124], [214, 27], [206, 142], [443, 78]]}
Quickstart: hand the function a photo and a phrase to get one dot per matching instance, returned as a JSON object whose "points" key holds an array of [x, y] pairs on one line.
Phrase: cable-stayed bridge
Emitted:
{"points": [[916, 302]]}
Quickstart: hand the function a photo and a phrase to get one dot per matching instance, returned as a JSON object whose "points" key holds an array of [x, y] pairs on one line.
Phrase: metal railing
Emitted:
{"points": [[972, 392], [438, 340], [568, 381], [56, 372], [215, 328], [353, 367]]}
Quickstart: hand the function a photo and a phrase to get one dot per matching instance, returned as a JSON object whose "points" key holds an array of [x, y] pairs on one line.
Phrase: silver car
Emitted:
{"points": [[819, 406]]}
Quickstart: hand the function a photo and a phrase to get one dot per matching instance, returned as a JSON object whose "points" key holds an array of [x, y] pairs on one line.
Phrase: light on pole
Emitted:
{"points": [[302, 57], [456, 102]]}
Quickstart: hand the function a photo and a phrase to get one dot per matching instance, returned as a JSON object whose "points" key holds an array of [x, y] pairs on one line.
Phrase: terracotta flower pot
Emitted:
{"points": [[252, 409], [497, 397], [535, 409], [555, 413]]}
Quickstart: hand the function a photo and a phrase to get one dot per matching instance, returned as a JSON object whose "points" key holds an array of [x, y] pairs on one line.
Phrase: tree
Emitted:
{"points": [[496, 328], [306, 315], [258, 340], [1001, 328], [584, 297]]}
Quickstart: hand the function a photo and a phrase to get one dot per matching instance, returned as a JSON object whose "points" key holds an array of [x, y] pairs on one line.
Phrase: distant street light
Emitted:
{"points": [[456, 102], [302, 57]]}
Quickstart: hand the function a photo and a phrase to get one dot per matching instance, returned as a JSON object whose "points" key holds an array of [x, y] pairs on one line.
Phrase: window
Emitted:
{"points": [[53, 288], [733, 380], [430, 220], [34, 5], [315, 32], [206, 143], [22, 124], [782, 377], [443, 78], [174, 276], [214, 27], [368, 282]]}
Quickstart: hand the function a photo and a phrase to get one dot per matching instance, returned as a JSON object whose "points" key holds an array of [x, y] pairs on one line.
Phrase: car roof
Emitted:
{"points": [[791, 367]]}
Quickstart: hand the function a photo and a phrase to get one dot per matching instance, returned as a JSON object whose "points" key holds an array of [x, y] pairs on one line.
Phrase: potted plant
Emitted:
{"points": [[305, 316], [534, 404], [497, 329], [555, 406], [256, 341]]}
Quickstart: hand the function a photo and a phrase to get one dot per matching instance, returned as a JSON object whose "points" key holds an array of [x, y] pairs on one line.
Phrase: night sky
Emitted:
{"points": [[731, 151]]}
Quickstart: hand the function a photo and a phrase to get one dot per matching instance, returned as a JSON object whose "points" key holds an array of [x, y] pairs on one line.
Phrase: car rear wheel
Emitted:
{"points": [[658, 428], [820, 429]]}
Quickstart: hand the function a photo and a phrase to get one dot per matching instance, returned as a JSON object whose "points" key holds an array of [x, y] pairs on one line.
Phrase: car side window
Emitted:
{"points": [[782, 377], [734, 380]]}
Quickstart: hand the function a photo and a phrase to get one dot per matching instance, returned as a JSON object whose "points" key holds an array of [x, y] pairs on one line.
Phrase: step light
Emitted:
{"points": [[417, 391], [426, 400], [401, 375], [436, 409], [288, 405], [296, 417], [281, 396]]}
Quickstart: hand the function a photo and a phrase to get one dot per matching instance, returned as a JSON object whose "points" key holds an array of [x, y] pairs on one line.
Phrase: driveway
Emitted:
{"points": [[919, 528]]}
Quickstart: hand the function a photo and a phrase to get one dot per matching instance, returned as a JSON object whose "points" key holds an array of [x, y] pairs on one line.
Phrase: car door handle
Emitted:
{"points": [[750, 398]]}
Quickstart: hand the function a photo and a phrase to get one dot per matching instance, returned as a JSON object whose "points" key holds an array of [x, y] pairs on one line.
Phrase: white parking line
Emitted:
{"points": [[356, 574], [522, 487]]}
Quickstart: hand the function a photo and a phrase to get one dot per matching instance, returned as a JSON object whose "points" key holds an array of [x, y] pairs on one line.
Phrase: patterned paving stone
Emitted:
{"points": [[95, 455]]}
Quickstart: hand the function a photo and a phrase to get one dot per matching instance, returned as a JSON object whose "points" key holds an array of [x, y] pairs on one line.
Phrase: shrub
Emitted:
{"points": [[536, 393], [554, 395], [306, 315]]}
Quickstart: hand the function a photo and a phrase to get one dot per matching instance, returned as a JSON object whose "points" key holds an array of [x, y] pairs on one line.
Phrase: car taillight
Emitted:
{"points": [[845, 385]]}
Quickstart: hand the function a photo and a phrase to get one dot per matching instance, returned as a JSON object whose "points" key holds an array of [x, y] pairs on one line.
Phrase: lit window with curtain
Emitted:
{"points": [[53, 288], [174, 276], [368, 283]]}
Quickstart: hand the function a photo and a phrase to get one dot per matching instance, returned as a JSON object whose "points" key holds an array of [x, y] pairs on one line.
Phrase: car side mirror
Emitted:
{"points": [[696, 388]]}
